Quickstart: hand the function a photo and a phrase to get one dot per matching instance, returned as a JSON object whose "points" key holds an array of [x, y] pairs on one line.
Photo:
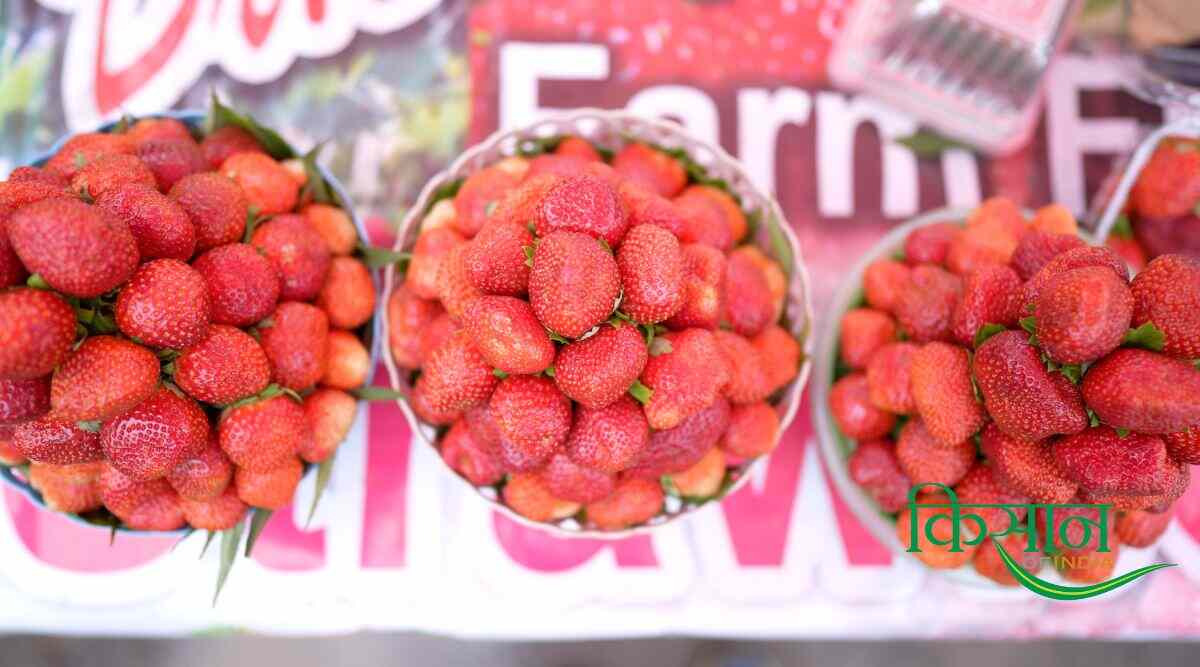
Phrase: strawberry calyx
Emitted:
{"points": [[272, 391], [987, 331], [373, 394], [1147, 337], [640, 392], [37, 282], [377, 258]]}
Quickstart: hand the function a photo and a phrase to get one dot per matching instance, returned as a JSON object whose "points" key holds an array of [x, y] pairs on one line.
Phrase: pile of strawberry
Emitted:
{"points": [[593, 335], [1163, 208], [180, 325], [1012, 362]]}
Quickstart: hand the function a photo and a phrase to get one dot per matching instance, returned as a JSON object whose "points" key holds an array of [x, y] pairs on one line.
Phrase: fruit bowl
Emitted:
{"points": [[602, 133]]}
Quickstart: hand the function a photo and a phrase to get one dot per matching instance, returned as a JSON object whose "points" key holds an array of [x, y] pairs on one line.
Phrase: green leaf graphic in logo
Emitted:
{"points": [[1057, 592]]}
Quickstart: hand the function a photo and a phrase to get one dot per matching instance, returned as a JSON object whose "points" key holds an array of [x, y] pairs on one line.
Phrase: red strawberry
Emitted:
{"points": [[632, 502], [333, 225], [348, 295], [986, 299], [496, 259], [78, 249], [574, 283], [988, 563], [855, 415], [203, 475], [781, 355], [298, 253], [874, 467], [611, 438], [158, 511], [269, 489], [971, 253], [1056, 219], [703, 285], [726, 206], [148, 441], [85, 148], [109, 172], [651, 266], [997, 222], [103, 378], [296, 342], [1184, 446], [1103, 462], [348, 363], [926, 307], [9, 454], [570, 481], [68, 488], [508, 335], [1140, 529], [216, 205], [268, 186], [12, 271], [431, 246], [749, 380], [165, 304], [34, 175], [557, 166], [47, 441], [170, 159], [1169, 184], [330, 413], [1083, 314], [160, 227], [686, 371], [942, 391], [515, 460], [753, 430], [407, 316], [418, 400], [456, 376], [242, 285], [36, 331], [1037, 248], [653, 168], [599, 369], [677, 449], [929, 244], [263, 435], [466, 456], [926, 459], [1130, 250], [155, 129], [577, 147], [703, 220], [647, 207], [704, 479], [777, 281], [519, 206], [225, 366], [479, 195], [1167, 293], [225, 141], [584, 204], [15, 194], [983, 485], [749, 307], [454, 285], [1026, 466], [1176, 478], [888, 378], [937, 555], [1024, 399], [221, 512], [1143, 391], [22, 400], [884, 281], [1078, 258], [437, 332], [863, 331], [123, 496], [532, 414], [528, 495], [484, 430]]}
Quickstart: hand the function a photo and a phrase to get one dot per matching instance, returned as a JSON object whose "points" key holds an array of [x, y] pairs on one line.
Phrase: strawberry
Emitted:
{"points": [[123, 496], [937, 555], [703, 285], [203, 475], [704, 479], [929, 244], [508, 335], [427, 254], [170, 159], [1054, 219], [753, 430], [584, 204], [970, 253], [926, 459], [570, 481], [495, 259], [295, 339], [855, 415], [528, 494], [986, 299], [1026, 467], [109, 172], [78, 249], [434, 334], [407, 316], [148, 441], [599, 369], [863, 331], [330, 413], [1083, 314], [577, 147], [940, 374], [574, 283], [632, 502], [154, 129], [334, 225], [749, 381], [874, 467], [883, 283], [484, 430], [777, 281], [686, 371], [454, 286], [348, 363], [9, 454], [1169, 184], [725, 205], [479, 195], [263, 435], [101, 379], [159, 226], [749, 307], [532, 414], [1176, 478], [889, 382], [1037, 248], [227, 365], [466, 456], [15, 194], [1024, 399], [243, 287], [68, 488], [165, 304], [781, 355], [677, 449], [82, 149], [270, 489], [925, 310], [1130, 250], [557, 166], [221, 512], [267, 184], [1078, 258], [519, 206], [1140, 529], [992, 233], [456, 376], [1184, 446], [22, 400], [225, 141], [36, 331], [610, 438], [1167, 293], [216, 205], [33, 175], [441, 415], [653, 168], [46, 441], [1143, 391], [703, 220], [348, 295], [983, 485], [298, 253], [646, 207], [651, 266], [988, 563], [12, 271]]}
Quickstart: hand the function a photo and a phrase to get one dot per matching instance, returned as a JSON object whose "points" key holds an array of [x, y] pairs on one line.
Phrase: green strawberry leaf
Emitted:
{"points": [[539, 146], [528, 250], [1122, 432], [1093, 420], [550, 371], [207, 541], [1121, 228], [1196, 363], [640, 392], [252, 220], [445, 191], [926, 144], [186, 534], [1073, 372], [377, 258], [258, 520], [780, 248], [315, 187], [557, 338], [499, 373], [668, 486], [372, 393], [1029, 324], [1146, 336], [324, 472], [231, 539], [220, 115], [1196, 208], [987, 331], [37, 282], [123, 124], [604, 244]]}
